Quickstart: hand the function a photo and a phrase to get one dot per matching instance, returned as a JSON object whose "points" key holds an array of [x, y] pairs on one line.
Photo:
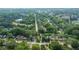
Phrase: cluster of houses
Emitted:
{"points": [[18, 37]]}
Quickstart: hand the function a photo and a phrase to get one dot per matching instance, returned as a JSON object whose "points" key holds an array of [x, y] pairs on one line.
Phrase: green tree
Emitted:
{"points": [[75, 44], [73, 31], [22, 46], [54, 45], [43, 47], [1, 42], [10, 44], [35, 47], [50, 28]]}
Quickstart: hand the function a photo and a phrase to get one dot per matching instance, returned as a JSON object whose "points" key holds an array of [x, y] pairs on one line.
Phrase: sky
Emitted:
{"points": [[39, 3]]}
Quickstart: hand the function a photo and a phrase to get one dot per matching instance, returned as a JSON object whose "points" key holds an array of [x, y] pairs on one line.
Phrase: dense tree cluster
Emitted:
{"points": [[39, 29]]}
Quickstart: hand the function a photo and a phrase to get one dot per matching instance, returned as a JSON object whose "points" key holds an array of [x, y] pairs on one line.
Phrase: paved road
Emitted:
{"points": [[37, 43], [36, 25], [31, 43]]}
